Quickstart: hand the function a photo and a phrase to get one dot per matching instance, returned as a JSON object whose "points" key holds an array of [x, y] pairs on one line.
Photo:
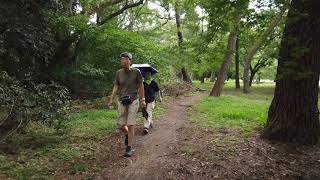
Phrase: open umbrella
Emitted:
{"points": [[144, 68]]}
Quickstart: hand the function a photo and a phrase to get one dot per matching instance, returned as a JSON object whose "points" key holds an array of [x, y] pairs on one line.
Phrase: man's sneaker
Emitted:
{"points": [[129, 152], [145, 131], [126, 140]]}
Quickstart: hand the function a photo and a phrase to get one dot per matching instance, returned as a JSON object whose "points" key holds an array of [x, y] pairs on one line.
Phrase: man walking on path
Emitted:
{"points": [[128, 83], [150, 89]]}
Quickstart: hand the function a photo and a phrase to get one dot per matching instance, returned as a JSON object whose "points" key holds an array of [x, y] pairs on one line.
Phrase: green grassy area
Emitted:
{"points": [[41, 150], [233, 110], [262, 91], [242, 113]]}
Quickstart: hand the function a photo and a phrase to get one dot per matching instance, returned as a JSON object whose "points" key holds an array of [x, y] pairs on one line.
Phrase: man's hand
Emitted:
{"points": [[110, 102], [143, 103], [114, 92]]}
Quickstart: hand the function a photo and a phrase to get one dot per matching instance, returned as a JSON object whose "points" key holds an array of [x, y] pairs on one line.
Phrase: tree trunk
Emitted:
{"points": [[218, 85], [130, 26], [185, 76], [213, 76], [252, 74], [294, 114], [202, 77], [178, 24], [253, 50], [237, 58]]}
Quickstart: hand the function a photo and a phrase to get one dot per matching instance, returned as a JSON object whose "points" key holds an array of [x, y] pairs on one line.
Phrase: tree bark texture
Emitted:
{"points": [[294, 115]]}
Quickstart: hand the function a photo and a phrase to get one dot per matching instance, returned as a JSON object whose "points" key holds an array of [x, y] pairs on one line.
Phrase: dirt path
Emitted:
{"points": [[177, 149], [152, 151]]}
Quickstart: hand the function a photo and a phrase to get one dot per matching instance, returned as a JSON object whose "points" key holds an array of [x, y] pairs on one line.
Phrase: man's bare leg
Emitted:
{"points": [[130, 135], [124, 129]]}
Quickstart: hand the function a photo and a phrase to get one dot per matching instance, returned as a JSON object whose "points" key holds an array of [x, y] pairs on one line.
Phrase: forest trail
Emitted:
{"points": [[152, 151], [179, 149]]}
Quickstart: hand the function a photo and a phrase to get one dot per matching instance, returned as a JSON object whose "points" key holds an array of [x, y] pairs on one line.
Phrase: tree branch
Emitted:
{"points": [[158, 16], [104, 5], [117, 13]]}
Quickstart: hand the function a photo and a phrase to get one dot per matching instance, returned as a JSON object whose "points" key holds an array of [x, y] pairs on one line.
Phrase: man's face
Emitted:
{"points": [[148, 75], [125, 62]]}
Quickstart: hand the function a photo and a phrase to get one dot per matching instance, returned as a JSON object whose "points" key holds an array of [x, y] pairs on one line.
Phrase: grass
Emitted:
{"points": [[41, 150], [233, 110], [92, 123]]}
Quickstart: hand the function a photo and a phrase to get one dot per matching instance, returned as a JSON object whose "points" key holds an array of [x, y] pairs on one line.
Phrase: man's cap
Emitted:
{"points": [[126, 54]]}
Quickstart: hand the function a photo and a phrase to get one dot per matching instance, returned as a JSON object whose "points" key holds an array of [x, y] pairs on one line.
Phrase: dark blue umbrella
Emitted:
{"points": [[144, 68]]}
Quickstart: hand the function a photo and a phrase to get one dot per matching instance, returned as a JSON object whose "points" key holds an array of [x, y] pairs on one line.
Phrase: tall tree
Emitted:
{"points": [[237, 63], [185, 76], [255, 47], [238, 10], [218, 85], [294, 114]]}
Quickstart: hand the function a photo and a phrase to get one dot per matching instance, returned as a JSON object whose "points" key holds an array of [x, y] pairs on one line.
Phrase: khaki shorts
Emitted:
{"points": [[128, 114]]}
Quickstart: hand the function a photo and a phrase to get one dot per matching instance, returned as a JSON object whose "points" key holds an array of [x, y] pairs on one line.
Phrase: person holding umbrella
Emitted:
{"points": [[150, 89]]}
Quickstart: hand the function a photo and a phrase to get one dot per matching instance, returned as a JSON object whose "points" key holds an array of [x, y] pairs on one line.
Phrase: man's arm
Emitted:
{"points": [[141, 95], [157, 91], [114, 93], [158, 95]]}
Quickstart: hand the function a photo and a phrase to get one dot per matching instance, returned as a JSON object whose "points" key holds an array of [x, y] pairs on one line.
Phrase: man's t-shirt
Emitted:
{"points": [[128, 81]]}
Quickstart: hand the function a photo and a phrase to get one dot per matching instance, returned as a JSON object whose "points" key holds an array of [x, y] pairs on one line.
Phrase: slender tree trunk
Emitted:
{"points": [[252, 74], [178, 24], [218, 85], [202, 77], [294, 114], [253, 50], [237, 58], [131, 20], [213, 76], [185, 76], [98, 18]]}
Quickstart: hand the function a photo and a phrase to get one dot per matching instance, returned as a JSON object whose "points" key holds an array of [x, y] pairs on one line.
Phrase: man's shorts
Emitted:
{"points": [[128, 114]]}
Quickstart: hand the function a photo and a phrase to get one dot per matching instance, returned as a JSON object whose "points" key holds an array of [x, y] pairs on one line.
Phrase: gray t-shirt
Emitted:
{"points": [[128, 81]]}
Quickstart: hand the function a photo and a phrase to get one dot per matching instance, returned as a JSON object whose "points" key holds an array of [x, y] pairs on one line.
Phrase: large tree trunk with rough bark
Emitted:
{"points": [[185, 76], [219, 83], [253, 50], [294, 114], [237, 58]]}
